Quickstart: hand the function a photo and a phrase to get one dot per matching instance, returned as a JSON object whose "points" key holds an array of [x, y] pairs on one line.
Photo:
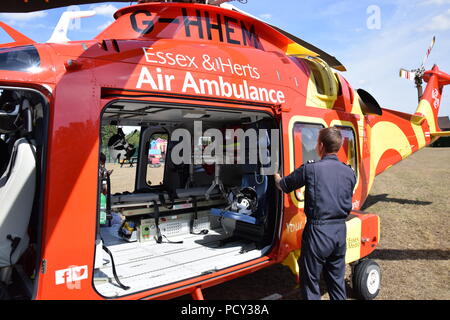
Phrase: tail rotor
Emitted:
{"points": [[416, 75]]}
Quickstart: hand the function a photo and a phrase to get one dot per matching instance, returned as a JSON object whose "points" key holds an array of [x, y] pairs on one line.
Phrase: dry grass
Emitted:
{"points": [[123, 178], [413, 200]]}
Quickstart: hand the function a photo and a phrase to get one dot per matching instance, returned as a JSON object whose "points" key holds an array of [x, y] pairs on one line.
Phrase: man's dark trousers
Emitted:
{"points": [[323, 249]]}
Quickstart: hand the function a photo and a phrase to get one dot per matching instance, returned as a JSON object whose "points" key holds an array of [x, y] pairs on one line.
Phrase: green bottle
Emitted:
{"points": [[102, 209]]}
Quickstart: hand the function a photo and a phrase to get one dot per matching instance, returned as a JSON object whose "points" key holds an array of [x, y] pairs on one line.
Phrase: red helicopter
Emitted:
{"points": [[76, 224]]}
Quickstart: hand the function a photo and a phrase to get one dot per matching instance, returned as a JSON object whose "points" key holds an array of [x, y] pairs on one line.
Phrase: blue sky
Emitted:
{"points": [[373, 39]]}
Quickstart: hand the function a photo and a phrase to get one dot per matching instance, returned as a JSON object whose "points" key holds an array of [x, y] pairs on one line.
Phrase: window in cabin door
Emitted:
{"points": [[305, 141], [157, 150], [347, 153]]}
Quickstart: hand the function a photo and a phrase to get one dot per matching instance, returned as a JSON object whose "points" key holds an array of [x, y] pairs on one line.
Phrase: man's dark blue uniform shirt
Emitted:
{"points": [[329, 188]]}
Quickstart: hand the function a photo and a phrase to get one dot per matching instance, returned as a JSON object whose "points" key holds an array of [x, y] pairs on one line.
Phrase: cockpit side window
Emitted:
{"points": [[24, 58]]}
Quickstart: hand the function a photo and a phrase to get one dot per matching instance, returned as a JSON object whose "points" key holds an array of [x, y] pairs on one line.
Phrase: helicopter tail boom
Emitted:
{"points": [[397, 135], [430, 101]]}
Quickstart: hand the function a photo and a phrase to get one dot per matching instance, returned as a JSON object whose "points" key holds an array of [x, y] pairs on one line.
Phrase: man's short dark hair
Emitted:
{"points": [[331, 139]]}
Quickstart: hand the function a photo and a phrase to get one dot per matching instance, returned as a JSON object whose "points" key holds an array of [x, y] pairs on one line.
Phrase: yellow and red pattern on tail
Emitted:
{"points": [[396, 135]]}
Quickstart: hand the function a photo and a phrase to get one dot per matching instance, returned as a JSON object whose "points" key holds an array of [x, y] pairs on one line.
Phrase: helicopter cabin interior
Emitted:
{"points": [[170, 211], [23, 122]]}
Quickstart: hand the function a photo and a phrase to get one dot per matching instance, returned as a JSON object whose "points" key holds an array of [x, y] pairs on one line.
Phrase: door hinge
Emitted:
{"points": [[44, 266]]}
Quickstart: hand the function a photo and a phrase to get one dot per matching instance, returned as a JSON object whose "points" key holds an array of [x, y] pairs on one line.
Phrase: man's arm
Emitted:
{"points": [[291, 182]]}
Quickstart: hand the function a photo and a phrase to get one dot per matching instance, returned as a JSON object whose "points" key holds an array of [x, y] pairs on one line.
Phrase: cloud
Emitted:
{"points": [[265, 16], [105, 10], [438, 23], [20, 17], [435, 2], [337, 8], [105, 25]]}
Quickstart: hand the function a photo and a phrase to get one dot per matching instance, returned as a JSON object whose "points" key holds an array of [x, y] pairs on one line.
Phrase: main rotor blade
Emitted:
{"points": [[331, 60], [30, 6], [299, 46]]}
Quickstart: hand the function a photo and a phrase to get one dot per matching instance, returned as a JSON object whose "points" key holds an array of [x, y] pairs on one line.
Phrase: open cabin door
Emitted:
{"points": [[300, 148]]}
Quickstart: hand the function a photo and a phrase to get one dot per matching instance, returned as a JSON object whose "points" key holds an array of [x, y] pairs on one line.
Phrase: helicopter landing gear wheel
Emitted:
{"points": [[366, 279]]}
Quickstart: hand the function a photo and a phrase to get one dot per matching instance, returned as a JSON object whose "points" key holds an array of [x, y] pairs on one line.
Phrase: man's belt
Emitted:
{"points": [[323, 222]]}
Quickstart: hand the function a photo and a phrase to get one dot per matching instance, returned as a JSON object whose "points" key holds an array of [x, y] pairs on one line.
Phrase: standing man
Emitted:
{"points": [[328, 201]]}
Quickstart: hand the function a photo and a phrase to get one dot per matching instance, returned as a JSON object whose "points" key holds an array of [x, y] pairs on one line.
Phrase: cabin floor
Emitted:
{"points": [[147, 265]]}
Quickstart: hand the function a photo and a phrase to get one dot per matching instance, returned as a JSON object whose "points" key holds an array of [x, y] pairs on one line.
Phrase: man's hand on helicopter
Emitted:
{"points": [[277, 178]]}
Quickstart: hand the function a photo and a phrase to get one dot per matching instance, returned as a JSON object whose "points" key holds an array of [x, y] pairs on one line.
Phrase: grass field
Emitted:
{"points": [[413, 200], [122, 178]]}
